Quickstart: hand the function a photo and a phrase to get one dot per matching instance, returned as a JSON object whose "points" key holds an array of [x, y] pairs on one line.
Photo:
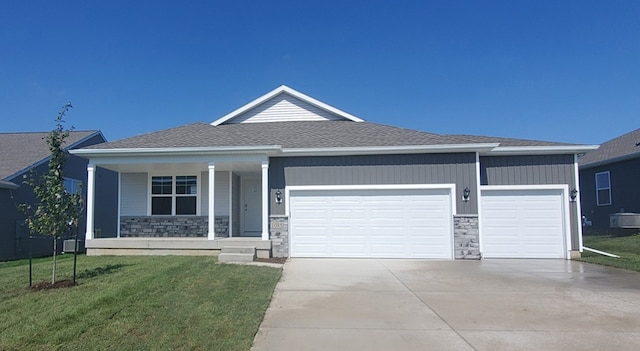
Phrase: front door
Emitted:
{"points": [[252, 207]]}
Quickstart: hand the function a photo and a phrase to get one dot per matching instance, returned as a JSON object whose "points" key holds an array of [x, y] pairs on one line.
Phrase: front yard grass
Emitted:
{"points": [[627, 247], [135, 303]]}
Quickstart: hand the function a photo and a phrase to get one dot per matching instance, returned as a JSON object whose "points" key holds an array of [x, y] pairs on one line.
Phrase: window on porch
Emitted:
{"points": [[174, 195]]}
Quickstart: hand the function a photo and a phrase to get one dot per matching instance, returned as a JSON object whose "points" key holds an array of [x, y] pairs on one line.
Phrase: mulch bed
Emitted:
{"points": [[279, 260], [57, 285]]}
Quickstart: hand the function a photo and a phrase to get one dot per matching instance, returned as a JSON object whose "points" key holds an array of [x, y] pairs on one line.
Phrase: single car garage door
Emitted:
{"points": [[392, 223], [523, 223]]}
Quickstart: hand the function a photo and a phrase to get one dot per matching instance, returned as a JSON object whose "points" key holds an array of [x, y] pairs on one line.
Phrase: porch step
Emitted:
{"points": [[239, 249], [237, 254]]}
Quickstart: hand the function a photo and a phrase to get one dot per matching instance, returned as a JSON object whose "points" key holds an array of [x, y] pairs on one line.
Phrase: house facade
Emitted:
{"points": [[609, 180], [21, 153], [295, 177]]}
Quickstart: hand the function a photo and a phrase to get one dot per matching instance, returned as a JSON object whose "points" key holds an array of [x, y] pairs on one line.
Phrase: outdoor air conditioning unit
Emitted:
{"points": [[67, 246], [624, 220]]}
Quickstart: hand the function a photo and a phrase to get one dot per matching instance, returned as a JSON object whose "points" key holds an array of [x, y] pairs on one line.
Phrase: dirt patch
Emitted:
{"points": [[279, 260], [57, 285]]}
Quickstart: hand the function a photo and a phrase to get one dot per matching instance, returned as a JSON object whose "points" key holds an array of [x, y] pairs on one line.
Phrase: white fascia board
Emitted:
{"points": [[268, 149], [292, 92], [8, 185], [525, 187], [540, 150], [379, 150]]}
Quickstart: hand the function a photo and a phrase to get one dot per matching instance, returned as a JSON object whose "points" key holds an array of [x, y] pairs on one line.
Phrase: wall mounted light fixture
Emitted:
{"points": [[465, 194], [573, 195], [278, 197]]}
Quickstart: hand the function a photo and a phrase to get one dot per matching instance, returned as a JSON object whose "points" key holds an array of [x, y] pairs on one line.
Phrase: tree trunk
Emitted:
{"points": [[55, 250]]}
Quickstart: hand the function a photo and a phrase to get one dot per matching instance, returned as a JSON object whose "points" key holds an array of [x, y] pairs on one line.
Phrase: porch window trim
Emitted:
{"points": [[601, 188], [173, 176]]}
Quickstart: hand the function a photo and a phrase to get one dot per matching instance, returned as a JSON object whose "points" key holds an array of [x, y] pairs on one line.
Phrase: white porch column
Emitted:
{"points": [[265, 200], [91, 180], [212, 217]]}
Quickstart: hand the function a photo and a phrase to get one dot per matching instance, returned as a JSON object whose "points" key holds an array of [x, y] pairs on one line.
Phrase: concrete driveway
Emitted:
{"points": [[331, 304]]}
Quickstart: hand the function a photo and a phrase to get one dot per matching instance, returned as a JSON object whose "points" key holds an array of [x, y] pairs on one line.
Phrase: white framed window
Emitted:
{"points": [[72, 186], [603, 188], [174, 195]]}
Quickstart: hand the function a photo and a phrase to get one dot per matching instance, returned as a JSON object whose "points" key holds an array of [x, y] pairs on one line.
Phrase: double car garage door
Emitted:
{"points": [[418, 223], [392, 223]]}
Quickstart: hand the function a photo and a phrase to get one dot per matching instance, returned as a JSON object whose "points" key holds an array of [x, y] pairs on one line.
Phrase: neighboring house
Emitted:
{"points": [[610, 180], [22, 152], [292, 176]]}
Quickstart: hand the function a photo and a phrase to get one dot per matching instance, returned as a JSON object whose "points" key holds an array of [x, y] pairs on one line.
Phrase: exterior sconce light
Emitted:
{"points": [[465, 194], [573, 195], [278, 197]]}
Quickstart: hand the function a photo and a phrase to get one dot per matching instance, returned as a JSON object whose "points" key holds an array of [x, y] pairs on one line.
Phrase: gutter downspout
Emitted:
{"points": [[600, 252]]}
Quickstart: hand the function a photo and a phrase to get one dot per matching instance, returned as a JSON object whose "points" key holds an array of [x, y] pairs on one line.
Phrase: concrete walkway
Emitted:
{"points": [[330, 304]]}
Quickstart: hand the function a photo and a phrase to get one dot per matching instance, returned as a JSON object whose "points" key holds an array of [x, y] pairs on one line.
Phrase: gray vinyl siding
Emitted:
{"points": [[527, 170], [457, 168], [204, 196], [533, 170], [625, 193], [133, 197], [235, 225], [221, 199]]}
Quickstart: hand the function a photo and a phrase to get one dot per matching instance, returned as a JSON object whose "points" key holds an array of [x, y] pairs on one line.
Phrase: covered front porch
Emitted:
{"points": [[174, 246], [195, 205]]}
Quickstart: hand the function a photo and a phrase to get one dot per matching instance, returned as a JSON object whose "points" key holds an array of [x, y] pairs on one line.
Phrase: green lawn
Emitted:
{"points": [[627, 247], [135, 303]]}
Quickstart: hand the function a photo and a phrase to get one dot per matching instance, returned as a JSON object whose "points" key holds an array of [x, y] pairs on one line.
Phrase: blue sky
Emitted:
{"points": [[550, 70]]}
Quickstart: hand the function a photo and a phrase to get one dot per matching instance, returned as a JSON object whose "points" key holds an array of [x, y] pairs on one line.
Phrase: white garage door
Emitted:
{"points": [[523, 223], [394, 223]]}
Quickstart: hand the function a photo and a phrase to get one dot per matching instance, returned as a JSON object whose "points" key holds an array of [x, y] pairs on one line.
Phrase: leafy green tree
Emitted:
{"points": [[55, 210]]}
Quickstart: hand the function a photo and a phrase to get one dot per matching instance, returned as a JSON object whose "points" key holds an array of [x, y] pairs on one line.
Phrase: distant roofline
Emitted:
{"points": [[608, 161], [285, 89], [46, 159]]}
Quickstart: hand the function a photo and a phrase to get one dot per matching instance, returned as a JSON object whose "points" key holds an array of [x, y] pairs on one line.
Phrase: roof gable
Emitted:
{"points": [[284, 104], [617, 149]]}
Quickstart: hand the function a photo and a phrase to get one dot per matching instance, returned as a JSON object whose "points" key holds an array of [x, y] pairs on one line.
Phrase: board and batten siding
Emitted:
{"points": [[221, 196], [527, 170], [456, 168], [533, 170], [284, 108], [133, 194]]}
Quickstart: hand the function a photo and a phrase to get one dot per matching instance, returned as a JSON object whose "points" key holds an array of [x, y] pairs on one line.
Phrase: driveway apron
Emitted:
{"points": [[377, 304]]}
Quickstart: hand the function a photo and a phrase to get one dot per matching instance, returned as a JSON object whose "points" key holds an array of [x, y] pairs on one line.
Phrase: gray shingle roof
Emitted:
{"points": [[300, 134], [19, 151], [627, 145], [506, 141]]}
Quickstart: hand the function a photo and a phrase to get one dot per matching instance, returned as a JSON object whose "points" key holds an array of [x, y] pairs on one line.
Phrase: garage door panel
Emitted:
{"points": [[371, 223], [522, 223]]}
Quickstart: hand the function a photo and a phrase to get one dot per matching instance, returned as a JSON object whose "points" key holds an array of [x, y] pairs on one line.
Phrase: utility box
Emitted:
{"points": [[624, 220], [67, 246]]}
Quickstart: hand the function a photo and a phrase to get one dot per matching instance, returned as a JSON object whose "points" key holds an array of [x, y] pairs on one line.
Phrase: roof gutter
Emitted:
{"points": [[540, 150], [8, 185], [378, 150], [183, 151]]}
